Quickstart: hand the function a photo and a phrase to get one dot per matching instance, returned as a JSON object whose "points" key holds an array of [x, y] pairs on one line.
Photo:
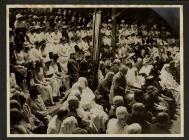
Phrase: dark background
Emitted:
{"points": [[3, 64]]}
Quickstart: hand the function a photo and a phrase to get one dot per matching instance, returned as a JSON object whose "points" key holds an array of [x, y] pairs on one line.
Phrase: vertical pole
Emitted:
{"points": [[96, 35], [96, 46], [114, 26]]}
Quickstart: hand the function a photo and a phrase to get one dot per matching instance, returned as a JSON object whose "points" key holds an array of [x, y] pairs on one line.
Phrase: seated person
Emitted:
{"points": [[139, 116], [73, 105], [32, 123], [79, 131], [54, 125], [16, 126], [37, 105], [134, 128], [161, 124], [117, 101], [103, 90], [117, 125], [13, 85]]}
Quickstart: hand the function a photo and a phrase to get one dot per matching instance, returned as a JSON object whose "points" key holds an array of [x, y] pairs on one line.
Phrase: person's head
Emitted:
{"points": [[118, 101], [157, 58], [26, 46], [55, 57], [73, 103], [47, 62], [143, 51], [102, 66], [162, 118], [15, 116], [138, 109], [37, 44], [15, 104], [121, 113], [34, 92], [20, 98], [117, 61], [139, 60], [134, 128], [77, 86], [152, 91], [139, 96], [19, 16], [43, 44], [123, 69], [129, 64], [109, 76], [83, 82], [87, 56], [168, 53], [62, 113], [38, 65], [79, 131]]}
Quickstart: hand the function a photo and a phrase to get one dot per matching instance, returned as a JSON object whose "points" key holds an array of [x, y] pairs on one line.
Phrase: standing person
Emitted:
{"points": [[118, 84], [86, 68], [131, 75], [73, 69], [103, 91]]}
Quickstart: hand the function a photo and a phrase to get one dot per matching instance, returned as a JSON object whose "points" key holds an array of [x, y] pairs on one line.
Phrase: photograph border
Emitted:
{"points": [[8, 6]]}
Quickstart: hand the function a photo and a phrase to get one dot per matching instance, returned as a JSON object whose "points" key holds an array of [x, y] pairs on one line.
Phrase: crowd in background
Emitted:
{"points": [[138, 88]]}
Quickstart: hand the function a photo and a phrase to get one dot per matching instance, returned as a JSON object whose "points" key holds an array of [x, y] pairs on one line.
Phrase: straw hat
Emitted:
{"points": [[19, 16]]}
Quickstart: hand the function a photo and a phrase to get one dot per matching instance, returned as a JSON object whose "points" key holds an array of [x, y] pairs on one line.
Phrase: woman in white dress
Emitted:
{"points": [[45, 89], [51, 79]]}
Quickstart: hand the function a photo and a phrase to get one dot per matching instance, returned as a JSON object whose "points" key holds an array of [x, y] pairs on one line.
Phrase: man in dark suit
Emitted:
{"points": [[86, 68], [73, 69], [119, 83]]}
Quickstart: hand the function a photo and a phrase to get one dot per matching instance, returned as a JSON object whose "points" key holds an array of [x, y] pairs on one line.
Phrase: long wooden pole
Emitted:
{"points": [[114, 26]]}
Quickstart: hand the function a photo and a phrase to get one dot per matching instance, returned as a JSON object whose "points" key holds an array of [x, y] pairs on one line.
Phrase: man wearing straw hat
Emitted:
{"points": [[18, 23]]}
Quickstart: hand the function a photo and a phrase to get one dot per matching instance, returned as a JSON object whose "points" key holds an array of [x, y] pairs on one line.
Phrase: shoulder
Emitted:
{"points": [[112, 121]]}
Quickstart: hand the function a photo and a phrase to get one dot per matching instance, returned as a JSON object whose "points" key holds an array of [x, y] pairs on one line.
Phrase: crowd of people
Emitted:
{"points": [[138, 89]]}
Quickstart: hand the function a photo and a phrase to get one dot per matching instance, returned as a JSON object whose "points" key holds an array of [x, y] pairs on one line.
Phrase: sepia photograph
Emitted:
{"points": [[95, 71]]}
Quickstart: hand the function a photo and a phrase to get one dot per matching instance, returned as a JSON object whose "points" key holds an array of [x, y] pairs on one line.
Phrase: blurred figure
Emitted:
{"points": [[55, 123], [118, 83], [73, 69], [117, 125], [134, 128], [161, 125]]}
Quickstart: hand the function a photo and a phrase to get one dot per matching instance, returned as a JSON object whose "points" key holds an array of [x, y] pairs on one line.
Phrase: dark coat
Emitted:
{"points": [[115, 68], [73, 68]]}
